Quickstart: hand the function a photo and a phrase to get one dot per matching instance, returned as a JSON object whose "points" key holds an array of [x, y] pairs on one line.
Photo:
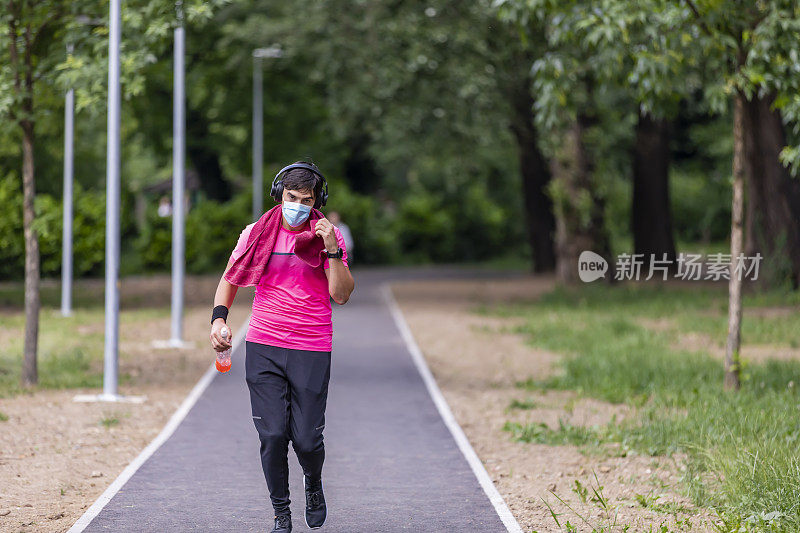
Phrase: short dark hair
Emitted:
{"points": [[302, 179]]}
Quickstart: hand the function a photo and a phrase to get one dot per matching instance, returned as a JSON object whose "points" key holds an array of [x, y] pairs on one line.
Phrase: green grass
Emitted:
{"points": [[522, 404], [566, 433], [109, 421], [514, 260], [70, 348], [743, 448], [756, 329], [12, 295], [624, 244]]}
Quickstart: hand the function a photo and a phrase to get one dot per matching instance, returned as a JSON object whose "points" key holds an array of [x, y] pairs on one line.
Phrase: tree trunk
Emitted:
{"points": [[773, 196], [32, 304], [140, 211], [360, 168], [536, 177], [513, 66], [651, 215], [576, 229], [20, 65], [205, 158], [732, 366]]}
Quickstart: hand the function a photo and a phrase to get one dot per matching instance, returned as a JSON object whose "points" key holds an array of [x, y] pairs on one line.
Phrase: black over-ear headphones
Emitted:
{"points": [[276, 191]]}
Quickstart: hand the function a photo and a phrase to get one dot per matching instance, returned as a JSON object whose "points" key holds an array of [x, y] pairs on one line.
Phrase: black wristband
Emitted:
{"points": [[338, 254], [220, 311]]}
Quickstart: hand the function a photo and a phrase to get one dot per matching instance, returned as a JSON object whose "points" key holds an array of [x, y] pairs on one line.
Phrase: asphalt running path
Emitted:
{"points": [[391, 462]]}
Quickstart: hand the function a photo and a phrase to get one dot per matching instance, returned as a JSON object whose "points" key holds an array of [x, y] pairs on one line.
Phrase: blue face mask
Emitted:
{"points": [[295, 213]]}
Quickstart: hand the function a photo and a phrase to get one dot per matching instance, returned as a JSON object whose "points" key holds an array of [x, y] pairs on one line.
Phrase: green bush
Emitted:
{"points": [[463, 226], [212, 231], [154, 244], [89, 232], [88, 228], [49, 224], [12, 241], [425, 226], [370, 222], [483, 229], [701, 206]]}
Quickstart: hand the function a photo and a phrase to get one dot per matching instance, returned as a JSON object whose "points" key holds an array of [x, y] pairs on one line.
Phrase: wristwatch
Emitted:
{"points": [[338, 254]]}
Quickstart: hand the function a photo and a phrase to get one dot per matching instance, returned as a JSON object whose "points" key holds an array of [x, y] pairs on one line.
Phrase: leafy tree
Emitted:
{"points": [[755, 46], [571, 81], [435, 95], [36, 33], [28, 27], [748, 51], [744, 55]]}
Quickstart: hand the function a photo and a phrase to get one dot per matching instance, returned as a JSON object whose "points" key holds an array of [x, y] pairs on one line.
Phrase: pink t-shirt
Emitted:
{"points": [[291, 307]]}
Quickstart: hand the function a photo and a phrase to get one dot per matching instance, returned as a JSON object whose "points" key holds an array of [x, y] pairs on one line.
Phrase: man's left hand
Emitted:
{"points": [[324, 229]]}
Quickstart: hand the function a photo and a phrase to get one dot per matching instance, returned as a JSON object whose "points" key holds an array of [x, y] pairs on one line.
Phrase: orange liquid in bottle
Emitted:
{"points": [[222, 368]]}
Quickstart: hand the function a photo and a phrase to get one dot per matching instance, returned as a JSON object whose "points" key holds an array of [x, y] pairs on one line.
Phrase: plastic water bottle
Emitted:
{"points": [[224, 357]]}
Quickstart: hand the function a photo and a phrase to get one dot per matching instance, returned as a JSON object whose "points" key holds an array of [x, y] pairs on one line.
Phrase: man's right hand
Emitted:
{"points": [[218, 342]]}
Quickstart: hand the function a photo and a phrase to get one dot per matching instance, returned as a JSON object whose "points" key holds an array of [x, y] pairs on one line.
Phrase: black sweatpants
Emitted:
{"points": [[288, 395]]}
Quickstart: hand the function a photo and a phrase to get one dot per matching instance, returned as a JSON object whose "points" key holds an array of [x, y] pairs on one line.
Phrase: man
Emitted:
{"points": [[288, 342]]}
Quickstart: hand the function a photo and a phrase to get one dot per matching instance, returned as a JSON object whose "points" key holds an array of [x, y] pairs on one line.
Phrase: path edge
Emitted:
{"points": [[446, 413], [167, 431]]}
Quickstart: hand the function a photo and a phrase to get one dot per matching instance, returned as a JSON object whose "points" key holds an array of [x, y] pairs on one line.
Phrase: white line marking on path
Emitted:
{"points": [[160, 439], [447, 415]]}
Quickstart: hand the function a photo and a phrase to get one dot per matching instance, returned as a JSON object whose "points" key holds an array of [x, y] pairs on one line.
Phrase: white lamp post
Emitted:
{"points": [[111, 352]]}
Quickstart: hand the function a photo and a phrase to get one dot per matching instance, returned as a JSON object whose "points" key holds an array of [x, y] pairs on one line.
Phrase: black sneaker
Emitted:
{"points": [[316, 511], [283, 524]]}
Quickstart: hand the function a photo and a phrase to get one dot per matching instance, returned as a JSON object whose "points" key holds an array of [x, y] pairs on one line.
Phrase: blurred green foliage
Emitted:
{"points": [[12, 243], [425, 226], [405, 106], [701, 206], [88, 226], [212, 230]]}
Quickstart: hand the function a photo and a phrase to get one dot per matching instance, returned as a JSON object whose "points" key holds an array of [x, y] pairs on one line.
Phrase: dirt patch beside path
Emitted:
{"points": [[57, 456], [476, 362], [715, 345]]}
